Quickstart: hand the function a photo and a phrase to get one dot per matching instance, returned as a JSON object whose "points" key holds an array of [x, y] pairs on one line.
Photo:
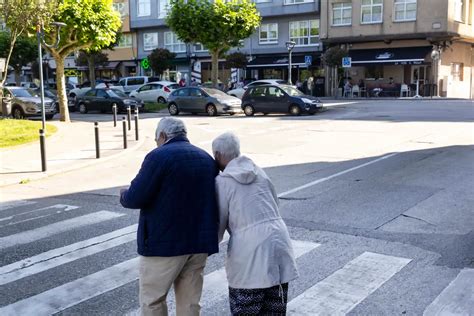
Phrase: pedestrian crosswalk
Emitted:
{"points": [[337, 292]]}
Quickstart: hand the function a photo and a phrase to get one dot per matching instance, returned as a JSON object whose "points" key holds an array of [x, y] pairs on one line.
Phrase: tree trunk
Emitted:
{"points": [[215, 68], [91, 64], [17, 71], [61, 89]]}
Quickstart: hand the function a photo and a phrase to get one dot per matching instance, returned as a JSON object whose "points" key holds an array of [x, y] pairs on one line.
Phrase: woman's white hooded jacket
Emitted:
{"points": [[259, 253]]}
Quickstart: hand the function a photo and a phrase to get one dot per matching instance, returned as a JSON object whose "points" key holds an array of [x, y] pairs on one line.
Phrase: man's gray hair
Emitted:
{"points": [[227, 145], [171, 127]]}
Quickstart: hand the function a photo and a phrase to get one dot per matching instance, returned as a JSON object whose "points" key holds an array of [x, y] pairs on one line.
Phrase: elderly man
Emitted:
{"points": [[177, 229], [260, 260]]}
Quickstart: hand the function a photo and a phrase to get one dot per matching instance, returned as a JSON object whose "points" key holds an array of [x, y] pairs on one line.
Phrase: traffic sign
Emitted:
{"points": [[346, 62], [145, 63], [308, 60]]}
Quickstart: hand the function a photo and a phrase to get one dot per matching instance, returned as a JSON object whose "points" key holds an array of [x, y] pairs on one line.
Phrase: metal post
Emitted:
{"points": [[136, 124], [97, 145], [129, 117], [124, 128], [289, 70], [43, 150], [40, 56], [114, 111], [417, 96]]}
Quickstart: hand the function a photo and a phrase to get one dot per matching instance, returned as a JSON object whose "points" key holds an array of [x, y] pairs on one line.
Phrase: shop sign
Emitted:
{"points": [[385, 55]]}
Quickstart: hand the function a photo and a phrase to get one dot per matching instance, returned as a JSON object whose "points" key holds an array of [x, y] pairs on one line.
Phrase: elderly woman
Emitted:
{"points": [[260, 260]]}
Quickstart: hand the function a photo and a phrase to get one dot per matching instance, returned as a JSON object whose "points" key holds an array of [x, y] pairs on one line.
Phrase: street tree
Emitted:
{"points": [[24, 52], [19, 16], [236, 60], [160, 59], [333, 58], [91, 60], [90, 25], [218, 25]]}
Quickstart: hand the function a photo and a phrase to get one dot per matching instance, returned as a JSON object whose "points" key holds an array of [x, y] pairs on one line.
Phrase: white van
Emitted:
{"points": [[132, 83]]}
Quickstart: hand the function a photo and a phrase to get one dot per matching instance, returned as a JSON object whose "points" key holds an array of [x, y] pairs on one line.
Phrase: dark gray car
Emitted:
{"points": [[202, 100], [26, 103]]}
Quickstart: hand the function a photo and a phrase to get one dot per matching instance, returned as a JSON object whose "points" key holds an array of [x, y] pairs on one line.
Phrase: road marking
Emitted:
{"points": [[75, 292], [457, 298], [310, 184], [65, 207], [56, 228], [11, 204], [340, 292], [59, 256]]}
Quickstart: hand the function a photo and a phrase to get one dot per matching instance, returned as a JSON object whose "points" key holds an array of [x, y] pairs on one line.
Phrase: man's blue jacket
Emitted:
{"points": [[175, 193]]}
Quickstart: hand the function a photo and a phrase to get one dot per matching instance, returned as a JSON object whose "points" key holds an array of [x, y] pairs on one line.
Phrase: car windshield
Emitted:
{"points": [[23, 93], [292, 91], [215, 92], [116, 93]]}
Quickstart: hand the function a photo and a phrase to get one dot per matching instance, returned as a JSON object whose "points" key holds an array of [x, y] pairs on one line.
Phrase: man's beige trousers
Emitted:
{"points": [[158, 274]]}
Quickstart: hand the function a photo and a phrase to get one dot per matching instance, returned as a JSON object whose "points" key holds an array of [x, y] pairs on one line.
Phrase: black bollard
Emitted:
{"points": [[43, 149], [97, 146], [129, 117], [136, 125], [114, 112], [124, 125]]}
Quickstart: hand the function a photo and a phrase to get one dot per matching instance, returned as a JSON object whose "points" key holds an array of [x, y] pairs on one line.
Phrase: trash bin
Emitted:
{"points": [[6, 106]]}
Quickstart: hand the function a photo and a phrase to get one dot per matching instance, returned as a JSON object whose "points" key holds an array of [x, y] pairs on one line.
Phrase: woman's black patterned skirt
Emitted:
{"points": [[269, 301]]}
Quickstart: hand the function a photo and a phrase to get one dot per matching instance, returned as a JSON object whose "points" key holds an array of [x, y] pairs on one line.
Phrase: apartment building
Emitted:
{"points": [[282, 21], [397, 42]]}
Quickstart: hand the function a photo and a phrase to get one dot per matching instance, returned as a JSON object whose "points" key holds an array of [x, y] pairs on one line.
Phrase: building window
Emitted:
{"points": [[125, 40], [144, 8], [457, 71], [269, 33], [371, 11], [198, 47], [121, 7], [163, 7], [304, 33], [459, 10], [297, 1], [405, 10], [150, 41], [262, 1], [173, 44], [341, 14]]}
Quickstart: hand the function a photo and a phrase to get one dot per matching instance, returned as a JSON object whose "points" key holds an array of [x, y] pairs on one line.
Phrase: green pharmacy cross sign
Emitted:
{"points": [[145, 63]]}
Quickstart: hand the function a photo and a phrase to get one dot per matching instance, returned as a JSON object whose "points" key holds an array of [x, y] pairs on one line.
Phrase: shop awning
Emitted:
{"points": [[107, 65], [392, 56], [280, 61]]}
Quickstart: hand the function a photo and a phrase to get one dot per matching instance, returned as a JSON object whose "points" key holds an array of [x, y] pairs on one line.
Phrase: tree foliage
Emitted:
{"points": [[90, 25], [218, 25], [236, 60], [24, 52], [160, 59], [333, 56]]}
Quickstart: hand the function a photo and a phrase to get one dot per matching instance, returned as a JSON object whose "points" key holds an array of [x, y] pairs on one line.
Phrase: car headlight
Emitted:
{"points": [[305, 100], [128, 101]]}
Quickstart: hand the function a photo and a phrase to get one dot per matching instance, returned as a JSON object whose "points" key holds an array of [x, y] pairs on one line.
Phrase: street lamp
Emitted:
{"points": [[289, 45], [435, 56], [40, 37]]}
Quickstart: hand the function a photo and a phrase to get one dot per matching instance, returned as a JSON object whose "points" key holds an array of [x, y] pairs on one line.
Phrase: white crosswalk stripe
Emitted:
{"points": [[57, 208], [11, 204], [56, 228]]}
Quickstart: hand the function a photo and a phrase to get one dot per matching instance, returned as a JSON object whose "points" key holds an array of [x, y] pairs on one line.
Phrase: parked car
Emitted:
{"points": [[202, 100], [29, 85], [158, 91], [103, 100], [278, 99], [132, 83], [239, 92], [81, 89], [26, 103]]}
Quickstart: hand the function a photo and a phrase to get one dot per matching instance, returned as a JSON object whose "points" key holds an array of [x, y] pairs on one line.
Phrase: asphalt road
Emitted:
{"points": [[378, 197]]}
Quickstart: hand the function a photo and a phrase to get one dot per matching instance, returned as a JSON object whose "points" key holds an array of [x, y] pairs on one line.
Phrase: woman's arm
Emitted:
{"points": [[223, 205]]}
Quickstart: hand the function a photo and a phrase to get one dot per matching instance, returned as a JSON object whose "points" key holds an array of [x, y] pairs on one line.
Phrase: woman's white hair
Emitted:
{"points": [[171, 127], [227, 145]]}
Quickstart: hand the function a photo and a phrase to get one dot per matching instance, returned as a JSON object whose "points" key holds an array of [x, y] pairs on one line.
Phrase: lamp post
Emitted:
{"points": [[289, 45], [435, 55], [42, 131]]}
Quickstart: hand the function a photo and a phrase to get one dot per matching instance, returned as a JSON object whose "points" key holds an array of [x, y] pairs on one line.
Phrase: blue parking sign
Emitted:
{"points": [[346, 62], [308, 60]]}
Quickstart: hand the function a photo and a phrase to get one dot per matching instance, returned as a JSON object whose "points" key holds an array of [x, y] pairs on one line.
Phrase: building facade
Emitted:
{"points": [[282, 21], [404, 42]]}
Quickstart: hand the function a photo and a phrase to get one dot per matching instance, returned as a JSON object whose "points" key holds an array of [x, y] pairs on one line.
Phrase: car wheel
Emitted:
{"points": [[173, 109], [49, 117], [295, 110], [17, 113], [82, 108], [161, 100], [211, 110], [249, 110]]}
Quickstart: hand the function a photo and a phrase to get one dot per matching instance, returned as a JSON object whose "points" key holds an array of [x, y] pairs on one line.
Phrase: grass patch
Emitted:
{"points": [[17, 132], [155, 107]]}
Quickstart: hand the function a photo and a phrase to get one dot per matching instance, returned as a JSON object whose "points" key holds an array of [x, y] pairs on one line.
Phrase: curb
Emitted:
{"points": [[47, 174]]}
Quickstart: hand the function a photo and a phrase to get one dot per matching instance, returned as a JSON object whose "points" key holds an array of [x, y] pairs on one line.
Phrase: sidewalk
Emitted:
{"points": [[71, 147]]}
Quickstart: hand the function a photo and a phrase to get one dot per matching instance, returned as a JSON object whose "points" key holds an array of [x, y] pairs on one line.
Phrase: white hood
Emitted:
{"points": [[242, 169]]}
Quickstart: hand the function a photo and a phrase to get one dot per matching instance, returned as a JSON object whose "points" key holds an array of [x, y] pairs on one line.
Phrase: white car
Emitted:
{"points": [[239, 92], [157, 91]]}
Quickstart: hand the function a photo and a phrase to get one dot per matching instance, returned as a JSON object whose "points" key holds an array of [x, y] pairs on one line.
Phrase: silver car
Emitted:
{"points": [[27, 103], [202, 100]]}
